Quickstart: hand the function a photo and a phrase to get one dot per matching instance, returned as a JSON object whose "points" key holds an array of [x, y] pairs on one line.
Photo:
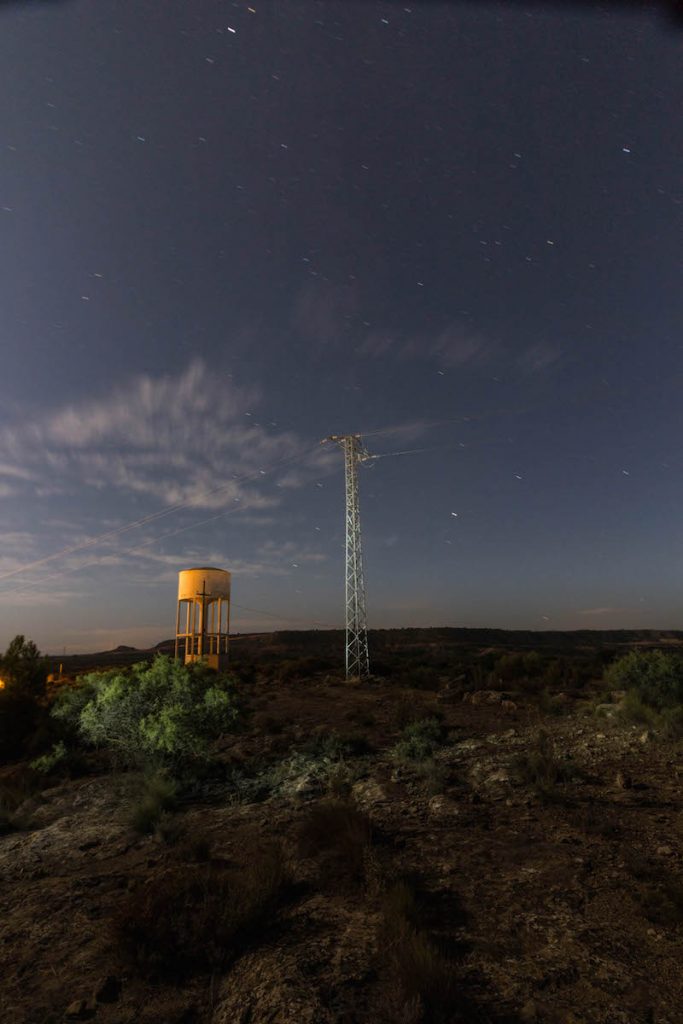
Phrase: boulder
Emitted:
{"points": [[368, 792]]}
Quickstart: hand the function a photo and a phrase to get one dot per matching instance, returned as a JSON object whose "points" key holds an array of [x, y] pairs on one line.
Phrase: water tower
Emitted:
{"points": [[202, 628]]}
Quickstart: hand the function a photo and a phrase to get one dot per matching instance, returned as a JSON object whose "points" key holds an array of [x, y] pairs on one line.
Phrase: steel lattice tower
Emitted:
{"points": [[357, 657]]}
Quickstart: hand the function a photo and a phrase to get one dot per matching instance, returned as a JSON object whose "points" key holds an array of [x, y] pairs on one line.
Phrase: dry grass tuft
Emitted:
{"points": [[194, 918], [342, 834], [425, 975]]}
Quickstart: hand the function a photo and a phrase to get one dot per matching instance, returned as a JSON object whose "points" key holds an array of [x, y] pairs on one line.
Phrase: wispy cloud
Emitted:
{"points": [[172, 438]]}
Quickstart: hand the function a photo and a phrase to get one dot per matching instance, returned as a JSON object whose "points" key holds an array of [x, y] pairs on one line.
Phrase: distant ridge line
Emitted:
{"points": [[479, 636]]}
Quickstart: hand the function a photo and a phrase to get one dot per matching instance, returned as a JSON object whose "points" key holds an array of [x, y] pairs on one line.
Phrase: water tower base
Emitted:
{"points": [[219, 662]]}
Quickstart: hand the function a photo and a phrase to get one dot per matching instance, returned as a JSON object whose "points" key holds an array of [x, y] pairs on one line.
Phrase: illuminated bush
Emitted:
{"points": [[160, 713]]}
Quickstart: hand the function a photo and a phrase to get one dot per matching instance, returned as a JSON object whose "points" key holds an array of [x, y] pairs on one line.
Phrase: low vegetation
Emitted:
{"points": [[541, 768], [344, 778], [339, 833], [184, 921], [653, 681], [422, 972], [157, 798], [420, 740]]}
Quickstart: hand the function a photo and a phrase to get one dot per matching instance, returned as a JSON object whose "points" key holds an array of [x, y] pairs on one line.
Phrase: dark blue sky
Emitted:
{"points": [[228, 230]]}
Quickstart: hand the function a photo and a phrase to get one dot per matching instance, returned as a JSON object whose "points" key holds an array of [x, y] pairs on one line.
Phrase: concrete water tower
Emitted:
{"points": [[202, 628]]}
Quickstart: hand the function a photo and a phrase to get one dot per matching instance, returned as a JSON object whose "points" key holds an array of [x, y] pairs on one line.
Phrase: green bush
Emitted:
{"points": [[48, 762], [419, 740], [163, 713], [335, 746], [654, 676], [634, 709]]}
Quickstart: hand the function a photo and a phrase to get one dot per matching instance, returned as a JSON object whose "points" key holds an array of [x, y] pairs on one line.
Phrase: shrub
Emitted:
{"points": [[550, 705], [156, 798], [654, 676], [194, 919], [336, 746], [13, 793], [509, 667], [634, 709], [540, 768], [435, 777], [419, 740], [342, 833], [164, 713], [671, 723]]}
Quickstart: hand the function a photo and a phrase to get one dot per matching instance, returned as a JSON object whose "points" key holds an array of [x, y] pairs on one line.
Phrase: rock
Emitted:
{"points": [[108, 990], [464, 745], [486, 697], [269, 987], [508, 706], [645, 737], [441, 804], [623, 781], [368, 792], [665, 851]]}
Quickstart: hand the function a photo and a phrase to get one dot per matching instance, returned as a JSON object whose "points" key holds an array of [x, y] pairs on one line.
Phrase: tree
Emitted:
{"points": [[23, 670]]}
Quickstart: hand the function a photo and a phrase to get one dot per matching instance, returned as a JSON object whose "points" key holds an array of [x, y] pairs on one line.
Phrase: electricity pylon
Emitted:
{"points": [[357, 658]]}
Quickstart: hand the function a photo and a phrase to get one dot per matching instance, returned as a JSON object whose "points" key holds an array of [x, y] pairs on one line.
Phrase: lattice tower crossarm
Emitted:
{"points": [[357, 656]]}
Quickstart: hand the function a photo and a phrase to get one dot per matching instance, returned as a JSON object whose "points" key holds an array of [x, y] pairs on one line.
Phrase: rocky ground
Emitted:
{"points": [[549, 873]]}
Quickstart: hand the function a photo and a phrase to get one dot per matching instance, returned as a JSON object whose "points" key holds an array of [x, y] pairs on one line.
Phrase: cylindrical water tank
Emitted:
{"points": [[213, 583]]}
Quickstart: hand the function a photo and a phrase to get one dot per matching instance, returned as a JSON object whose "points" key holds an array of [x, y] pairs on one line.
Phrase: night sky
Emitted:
{"points": [[229, 230]]}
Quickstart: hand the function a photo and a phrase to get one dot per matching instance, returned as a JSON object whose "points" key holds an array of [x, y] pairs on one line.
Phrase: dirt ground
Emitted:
{"points": [[558, 903]]}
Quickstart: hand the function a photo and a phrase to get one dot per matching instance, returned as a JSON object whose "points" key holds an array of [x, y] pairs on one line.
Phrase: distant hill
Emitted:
{"points": [[413, 642]]}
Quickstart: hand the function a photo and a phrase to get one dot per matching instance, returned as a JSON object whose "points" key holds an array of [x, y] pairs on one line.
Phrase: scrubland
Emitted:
{"points": [[476, 833]]}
